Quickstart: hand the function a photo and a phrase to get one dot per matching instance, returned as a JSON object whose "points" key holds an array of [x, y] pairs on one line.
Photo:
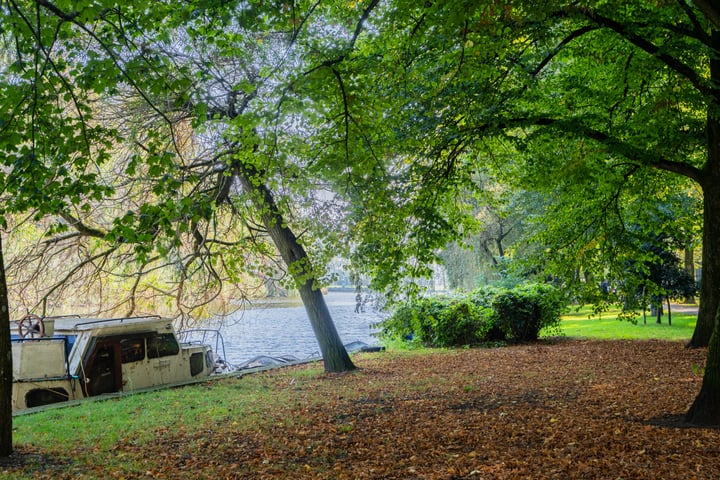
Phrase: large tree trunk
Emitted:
{"points": [[710, 275], [705, 410], [5, 366], [335, 356]]}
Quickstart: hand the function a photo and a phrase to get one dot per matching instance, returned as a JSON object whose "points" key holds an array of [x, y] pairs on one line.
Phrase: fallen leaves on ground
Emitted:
{"points": [[565, 410]]}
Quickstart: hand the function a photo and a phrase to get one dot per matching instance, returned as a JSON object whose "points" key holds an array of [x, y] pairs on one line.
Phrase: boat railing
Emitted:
{"points": [[100, 321], [205, 336]]}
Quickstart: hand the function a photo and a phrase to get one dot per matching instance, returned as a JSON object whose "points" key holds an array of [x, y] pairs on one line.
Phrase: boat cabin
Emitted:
{"points": [[69, 358]]}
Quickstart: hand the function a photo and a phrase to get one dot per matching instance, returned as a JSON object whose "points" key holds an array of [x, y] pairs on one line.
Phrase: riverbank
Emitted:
{"points": [[564, 409]]}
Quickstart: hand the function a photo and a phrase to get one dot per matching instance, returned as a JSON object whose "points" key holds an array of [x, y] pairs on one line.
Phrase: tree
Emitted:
{"points": [[6, 366], [560, 92], [224, 72], [657, 278], [50, 148], [486, 252], [617, 107]]}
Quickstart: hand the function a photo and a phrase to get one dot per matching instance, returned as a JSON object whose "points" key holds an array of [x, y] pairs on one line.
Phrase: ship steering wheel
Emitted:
{"points": [[31, 326]]}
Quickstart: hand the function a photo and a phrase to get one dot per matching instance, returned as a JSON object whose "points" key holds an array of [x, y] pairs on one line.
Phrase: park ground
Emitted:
{"points": [[559, 409]]}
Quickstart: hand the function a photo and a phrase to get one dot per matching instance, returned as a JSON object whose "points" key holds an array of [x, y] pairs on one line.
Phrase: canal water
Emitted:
{"points": [[282, 328]]}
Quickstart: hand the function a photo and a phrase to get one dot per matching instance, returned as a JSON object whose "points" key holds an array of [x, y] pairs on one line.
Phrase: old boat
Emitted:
{"points": [[69, 358]]}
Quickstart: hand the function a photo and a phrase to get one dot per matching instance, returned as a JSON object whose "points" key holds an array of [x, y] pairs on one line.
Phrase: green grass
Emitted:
{"points": [[580, 324], [136, 417]]}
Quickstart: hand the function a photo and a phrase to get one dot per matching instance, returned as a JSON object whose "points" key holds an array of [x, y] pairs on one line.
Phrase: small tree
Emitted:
{"points": [[657, 278]]}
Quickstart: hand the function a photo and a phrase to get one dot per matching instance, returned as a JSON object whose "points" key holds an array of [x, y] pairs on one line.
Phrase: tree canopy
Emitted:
{"points": [[570, 95], [173, 144]]}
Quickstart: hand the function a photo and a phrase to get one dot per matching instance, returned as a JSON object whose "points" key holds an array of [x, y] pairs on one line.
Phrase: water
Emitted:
{"points": [[276, 330]]}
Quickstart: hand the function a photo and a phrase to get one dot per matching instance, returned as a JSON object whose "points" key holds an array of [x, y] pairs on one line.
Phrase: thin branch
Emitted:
{"points": [[77, 268], [558, 48]]}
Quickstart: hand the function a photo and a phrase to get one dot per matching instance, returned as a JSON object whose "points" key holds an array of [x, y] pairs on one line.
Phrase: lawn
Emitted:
{"points": [[579, 406], [564, 409], [581, 324]]}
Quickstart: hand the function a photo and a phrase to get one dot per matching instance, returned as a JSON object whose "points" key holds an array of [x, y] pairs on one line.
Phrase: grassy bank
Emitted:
{"points": [[562, 409], [566, 409]]}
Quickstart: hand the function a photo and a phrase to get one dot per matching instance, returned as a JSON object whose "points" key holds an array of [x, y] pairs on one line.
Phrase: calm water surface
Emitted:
{"points": [[275, 330]]}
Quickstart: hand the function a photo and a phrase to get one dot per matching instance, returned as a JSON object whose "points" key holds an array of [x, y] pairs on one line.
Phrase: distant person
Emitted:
{"points": [[358, 302]]}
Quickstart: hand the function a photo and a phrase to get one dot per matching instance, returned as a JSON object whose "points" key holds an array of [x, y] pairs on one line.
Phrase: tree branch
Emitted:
{"points": [[81, 228], [565, 41], [626, 32], [615, 145]]}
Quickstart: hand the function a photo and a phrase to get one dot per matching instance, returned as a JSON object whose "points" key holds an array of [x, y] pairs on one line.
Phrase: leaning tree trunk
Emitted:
{"points": [[335, 356], [5, 366]]}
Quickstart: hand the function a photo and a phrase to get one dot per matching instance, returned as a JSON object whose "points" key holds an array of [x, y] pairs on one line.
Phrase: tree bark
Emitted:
{"points": [[710, 277], [705, 410], [5, 366], [335, 356]]}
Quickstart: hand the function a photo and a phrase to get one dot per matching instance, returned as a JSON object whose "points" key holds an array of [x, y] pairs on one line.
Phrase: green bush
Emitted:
{"points": [[526, 309], [439, 322], [485, 315], [483, 297], [461, 323], [414, 321]]}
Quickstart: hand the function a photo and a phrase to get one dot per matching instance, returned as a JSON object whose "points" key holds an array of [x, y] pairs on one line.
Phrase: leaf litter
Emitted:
{"points": [[553, 410]]}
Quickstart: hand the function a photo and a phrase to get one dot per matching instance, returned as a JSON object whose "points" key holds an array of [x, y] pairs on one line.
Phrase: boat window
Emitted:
{"points": [[132, 349], [196, 363], [45, 396], [162, 345]]}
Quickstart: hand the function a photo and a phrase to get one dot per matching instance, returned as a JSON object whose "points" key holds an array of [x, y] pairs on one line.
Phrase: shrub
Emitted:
{"points": [[414, 321], [439, 322], [462, 323], [485, 315], [483, 297], [526, 309]]}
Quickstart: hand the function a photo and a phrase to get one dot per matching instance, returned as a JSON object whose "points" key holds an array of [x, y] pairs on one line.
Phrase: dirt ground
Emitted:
{"points": [[572, 409]]}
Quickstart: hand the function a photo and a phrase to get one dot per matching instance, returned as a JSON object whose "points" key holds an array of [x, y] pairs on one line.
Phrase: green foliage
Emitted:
{"points": [[412, 321], [439, 322], [528, 308], [484, 315], [462, 323]]}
